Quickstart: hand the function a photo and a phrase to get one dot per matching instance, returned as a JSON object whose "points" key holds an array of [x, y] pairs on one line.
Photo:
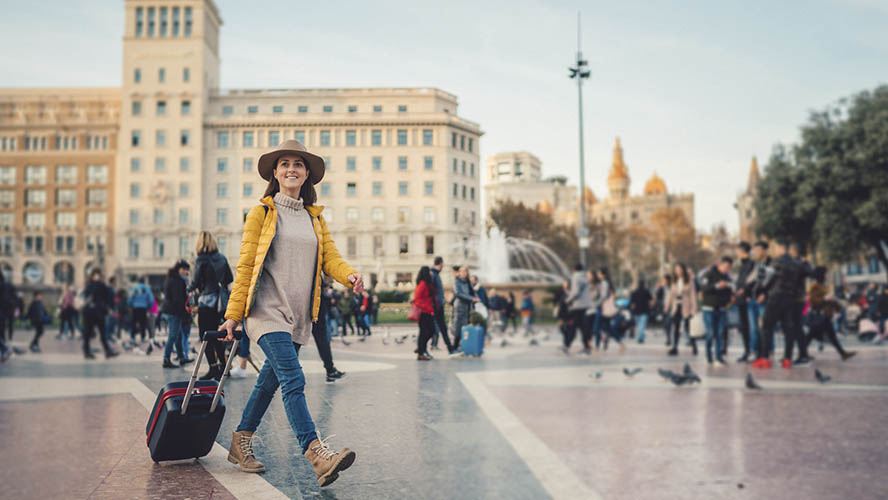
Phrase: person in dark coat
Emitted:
{"points": [[640, 303], [98, 298], [175, 311], [742, 295], [212, 275], [37, 316]]}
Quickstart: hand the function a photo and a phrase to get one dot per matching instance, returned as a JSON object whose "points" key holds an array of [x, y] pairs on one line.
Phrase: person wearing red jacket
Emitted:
{"points": [[424, 299]]}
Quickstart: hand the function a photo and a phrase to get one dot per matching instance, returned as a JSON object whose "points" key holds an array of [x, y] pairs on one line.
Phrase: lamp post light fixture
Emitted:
{"points": [[579, 73]]}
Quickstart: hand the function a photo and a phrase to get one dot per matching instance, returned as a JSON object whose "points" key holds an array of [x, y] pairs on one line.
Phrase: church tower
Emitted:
{"points": [[746, 204], [618, 179], [170, 67]]}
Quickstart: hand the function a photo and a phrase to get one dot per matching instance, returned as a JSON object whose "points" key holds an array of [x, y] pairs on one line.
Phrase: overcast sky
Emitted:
{"points": [[693, 88]]}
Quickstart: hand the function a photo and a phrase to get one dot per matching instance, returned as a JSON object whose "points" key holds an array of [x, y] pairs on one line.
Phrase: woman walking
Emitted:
{"points": [[175, 311], [277, 294], [681, 303], [605, 310], [212, 275], [97, 299], [424, 299], [820, 316]]}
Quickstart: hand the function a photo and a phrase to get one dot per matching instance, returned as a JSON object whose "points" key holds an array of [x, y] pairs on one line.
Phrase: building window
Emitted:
{"points": [[277, 109], [403, 215], [161, 108], [248, 139], [462, 142], [135, 217], [247, 166], [186, 75], [473, 217], [187, 21], [133, 248], [377, 215], [453, 139], [221, 216], [377, 163], [325, 137], [455, 190], [160, 138], [158, 216], [183, 216], [472, 170], [136, 138], [874, 265], [377, 244], [377, 189], [186, 107], [7, 198], [352, 108], [222, 190], [252, 109], [376, 137], [464, 192], [222, 165], [325, 189], [35, 220], [7, 176], [402, 188], [222, 139], [97, 219], [351, 189], [66, 197], [428, 162], [455, 166], [430, 245], [402, 137], [428, 137], [456, 216], [471, 146], [161, 75], [184, 138], [351, 138], [402, 108], [135, 190], [429, 188], [403, 244], [65, 219], [302, 109], [351, 214], [274, 138], [299, 136], [377, 109], [227, 110], [33, 244], [185, 246], [464, 167], [7, 220], [350, 163], [139, 21], [248, 190], [65, 174], [160, 165], [328, 109], [35, 198], [351, 246], [163, 21], [158, 248], [96, 197], [402, 163], [137, 110], [184, 164], [428, 215], [176, 22]]}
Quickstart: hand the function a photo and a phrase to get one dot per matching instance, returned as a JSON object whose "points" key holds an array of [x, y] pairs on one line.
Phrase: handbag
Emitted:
{"points": [[696, 327], [609, 307], [414, 313]]}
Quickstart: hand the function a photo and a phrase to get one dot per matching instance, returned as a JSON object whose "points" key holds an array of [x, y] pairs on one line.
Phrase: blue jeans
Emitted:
{"points": [[282, 369], [641, 323], [244, 347], [110, 327], [754, 310], [715, 320], [175, 337], [186, 332]]}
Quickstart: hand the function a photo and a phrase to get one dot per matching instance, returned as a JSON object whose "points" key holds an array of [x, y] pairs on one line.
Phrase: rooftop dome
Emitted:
{"points": [[654, 185]]}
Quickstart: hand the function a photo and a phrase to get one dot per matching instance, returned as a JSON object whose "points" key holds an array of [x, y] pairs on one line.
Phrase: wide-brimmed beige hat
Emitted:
{"points": [[315, 163]]}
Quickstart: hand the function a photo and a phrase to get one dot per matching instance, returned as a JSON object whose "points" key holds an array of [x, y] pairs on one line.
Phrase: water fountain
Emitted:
{"points": [[515, 260]]}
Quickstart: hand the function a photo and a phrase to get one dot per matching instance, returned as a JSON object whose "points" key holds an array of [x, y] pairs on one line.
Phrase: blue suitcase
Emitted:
{"points": [[472, 341]]}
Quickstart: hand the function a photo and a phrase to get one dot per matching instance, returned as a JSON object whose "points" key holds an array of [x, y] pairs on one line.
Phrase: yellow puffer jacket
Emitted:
{"points": [[259, 229]]}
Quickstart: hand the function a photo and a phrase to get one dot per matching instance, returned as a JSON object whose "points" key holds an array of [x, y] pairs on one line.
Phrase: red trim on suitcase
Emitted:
{"points": [[171, 394]]}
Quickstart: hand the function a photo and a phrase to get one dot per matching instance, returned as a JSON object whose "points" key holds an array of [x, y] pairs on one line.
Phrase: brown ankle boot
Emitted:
{"points": [[326, 462], [241, 452]]}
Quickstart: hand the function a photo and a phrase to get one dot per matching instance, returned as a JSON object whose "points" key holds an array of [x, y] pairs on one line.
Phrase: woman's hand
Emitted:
{"points": [[229, 326], [357, 281]]}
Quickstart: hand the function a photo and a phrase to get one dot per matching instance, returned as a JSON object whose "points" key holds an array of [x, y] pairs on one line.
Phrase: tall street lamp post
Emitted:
{"points": [[579, 73]]}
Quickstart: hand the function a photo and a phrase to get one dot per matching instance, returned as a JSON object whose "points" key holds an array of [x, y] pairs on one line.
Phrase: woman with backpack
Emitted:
{"points": [[277, 295], [212, 274]]}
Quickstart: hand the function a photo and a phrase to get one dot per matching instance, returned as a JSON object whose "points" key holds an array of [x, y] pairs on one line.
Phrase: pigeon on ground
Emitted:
{"points": [[533, 342], [689, 373], [666, 374], [149, 349], [596, 375], [679, 379], [504, 343], [821, 377], [404, 337], [631, 373], [751, 383], [362, 338], [399, 340], [345, 342]]}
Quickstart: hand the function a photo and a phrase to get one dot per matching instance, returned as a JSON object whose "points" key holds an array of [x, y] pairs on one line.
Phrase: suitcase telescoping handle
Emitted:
{"points": [[210, 335]]}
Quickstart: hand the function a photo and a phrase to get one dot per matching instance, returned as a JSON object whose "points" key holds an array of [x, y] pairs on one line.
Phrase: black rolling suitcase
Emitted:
{"points": [[187, 415]]}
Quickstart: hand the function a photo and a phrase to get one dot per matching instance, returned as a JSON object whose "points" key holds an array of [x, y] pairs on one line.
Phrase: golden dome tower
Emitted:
{"points": [[618, 179], [654, 186]]}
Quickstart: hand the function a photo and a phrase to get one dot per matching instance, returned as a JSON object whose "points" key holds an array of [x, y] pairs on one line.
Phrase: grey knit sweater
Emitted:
{"points": [[283, 293]]}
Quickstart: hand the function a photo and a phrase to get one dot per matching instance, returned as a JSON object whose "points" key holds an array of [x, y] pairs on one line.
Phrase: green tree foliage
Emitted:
{"points": [[830, 191]]}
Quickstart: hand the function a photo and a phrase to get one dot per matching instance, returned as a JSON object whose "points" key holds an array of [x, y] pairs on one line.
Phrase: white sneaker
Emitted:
{"points": [[238, 372]]}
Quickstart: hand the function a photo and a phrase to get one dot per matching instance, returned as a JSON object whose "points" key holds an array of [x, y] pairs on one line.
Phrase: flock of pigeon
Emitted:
{"points": [[688, 376]]}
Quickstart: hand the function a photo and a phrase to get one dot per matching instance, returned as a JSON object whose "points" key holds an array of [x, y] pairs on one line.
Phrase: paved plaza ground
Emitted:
{"points": [[523, 422]]}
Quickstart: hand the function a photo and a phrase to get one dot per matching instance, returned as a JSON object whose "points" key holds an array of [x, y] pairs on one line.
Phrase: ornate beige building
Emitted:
{"points": [[179, 156], [57, 172], [625, 210], [746, 204]]}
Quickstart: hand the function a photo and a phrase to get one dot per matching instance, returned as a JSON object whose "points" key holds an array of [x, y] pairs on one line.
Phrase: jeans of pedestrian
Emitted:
{"points": [[641, 322], [175, 337], [281, 369], [754, 311], [714, 320], [186, 334], [111, 326], [460, 319], [243, 347]]}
